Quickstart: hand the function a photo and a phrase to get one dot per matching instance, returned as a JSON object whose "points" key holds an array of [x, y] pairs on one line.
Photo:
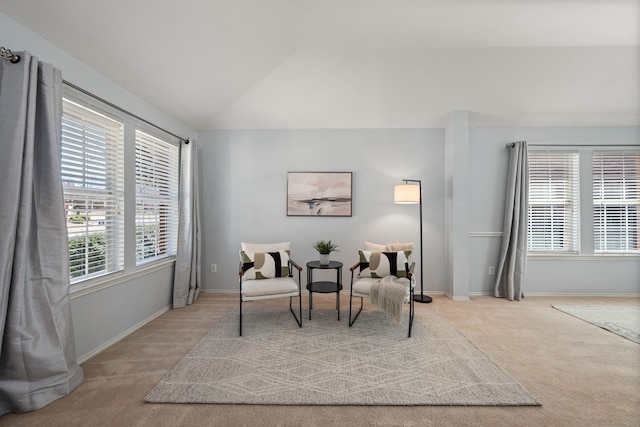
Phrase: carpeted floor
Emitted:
{"points": [[328, 363], [621, 320]]}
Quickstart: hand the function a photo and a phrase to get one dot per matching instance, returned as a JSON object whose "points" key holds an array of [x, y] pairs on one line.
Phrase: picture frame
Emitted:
{"points": [[323, 194]]}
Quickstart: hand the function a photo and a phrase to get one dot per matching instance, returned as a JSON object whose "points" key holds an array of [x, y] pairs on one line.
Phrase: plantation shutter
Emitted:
{"points": [[93, 183], [156, 198], [616, 200], [554, 205]]}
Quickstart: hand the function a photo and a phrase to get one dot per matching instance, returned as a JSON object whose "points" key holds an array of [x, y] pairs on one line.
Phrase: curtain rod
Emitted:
{"points": [[14, 58], [122, 110], [511, 144]]}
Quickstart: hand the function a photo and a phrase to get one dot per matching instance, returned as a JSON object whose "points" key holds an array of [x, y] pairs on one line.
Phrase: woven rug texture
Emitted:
{"points": [[619, 319], [328, 363]]}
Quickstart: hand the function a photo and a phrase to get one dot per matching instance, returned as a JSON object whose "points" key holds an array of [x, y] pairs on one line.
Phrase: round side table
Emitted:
{"points": [[324, 287]]}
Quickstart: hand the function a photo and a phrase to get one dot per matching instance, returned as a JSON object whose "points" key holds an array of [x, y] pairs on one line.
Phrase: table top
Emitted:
{"points": [[316, 264]]}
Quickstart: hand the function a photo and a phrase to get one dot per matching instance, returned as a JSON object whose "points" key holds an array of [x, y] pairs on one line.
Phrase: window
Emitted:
{"points": [[101, 206], [616, 201], [554, 207], [92, 179], [156, 198]]}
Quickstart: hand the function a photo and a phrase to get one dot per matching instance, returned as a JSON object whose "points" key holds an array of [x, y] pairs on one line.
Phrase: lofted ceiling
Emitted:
{"points": [[193, 59]]}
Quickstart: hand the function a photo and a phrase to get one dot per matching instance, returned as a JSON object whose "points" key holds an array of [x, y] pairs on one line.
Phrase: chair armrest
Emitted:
{"points": [[410, 272], [354, 266], [293, 263], [240, 270]]}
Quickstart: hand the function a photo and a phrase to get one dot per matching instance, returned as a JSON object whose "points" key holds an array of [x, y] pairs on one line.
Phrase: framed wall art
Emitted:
{"points": [[319, 193]]}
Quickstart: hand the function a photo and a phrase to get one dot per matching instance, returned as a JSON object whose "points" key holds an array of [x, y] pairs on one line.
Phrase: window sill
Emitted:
{"points": [[577, 257], [99, 283]]}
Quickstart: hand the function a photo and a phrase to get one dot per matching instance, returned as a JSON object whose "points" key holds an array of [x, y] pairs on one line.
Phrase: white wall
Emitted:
{"points": [[244, 184], [457, 204], [101, 317]]}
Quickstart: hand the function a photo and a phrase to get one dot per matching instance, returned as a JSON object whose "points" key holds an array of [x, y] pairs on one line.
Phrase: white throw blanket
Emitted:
{"points": [[389, 294]]}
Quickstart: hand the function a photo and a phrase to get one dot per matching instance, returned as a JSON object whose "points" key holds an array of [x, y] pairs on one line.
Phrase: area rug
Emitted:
{"points": [[619, 319], [328, 363]]}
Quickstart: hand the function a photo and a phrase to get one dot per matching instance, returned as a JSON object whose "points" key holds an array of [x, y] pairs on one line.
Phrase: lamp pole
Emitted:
{"points": [[422, 297]]}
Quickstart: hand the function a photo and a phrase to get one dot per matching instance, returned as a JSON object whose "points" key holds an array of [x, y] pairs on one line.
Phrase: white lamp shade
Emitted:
{"points": [[406, 194]]}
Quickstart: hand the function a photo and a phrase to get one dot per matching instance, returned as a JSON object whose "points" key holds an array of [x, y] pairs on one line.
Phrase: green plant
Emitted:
{"points": [[325, 247], [78, 218], [87, 254]]}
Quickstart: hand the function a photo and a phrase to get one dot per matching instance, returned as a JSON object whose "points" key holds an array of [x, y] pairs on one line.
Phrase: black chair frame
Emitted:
{"points": [[411, 302], [298, 318]]}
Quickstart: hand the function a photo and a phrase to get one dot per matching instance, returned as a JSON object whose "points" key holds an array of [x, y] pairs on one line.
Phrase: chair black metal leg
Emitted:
{"points": [[240, 315], [351, 322], [240, 292], [300, 307], [411, 312], [298, 320]]}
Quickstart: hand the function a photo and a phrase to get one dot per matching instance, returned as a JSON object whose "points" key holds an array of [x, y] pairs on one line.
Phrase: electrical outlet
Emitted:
{"points": [[214, 268], [492, 270]]}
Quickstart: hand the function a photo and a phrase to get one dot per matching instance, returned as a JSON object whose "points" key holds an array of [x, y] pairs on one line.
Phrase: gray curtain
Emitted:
{"points": [[513, 254], [37, 351], [186, 283]]}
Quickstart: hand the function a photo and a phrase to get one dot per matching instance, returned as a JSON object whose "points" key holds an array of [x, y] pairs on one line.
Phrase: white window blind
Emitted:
{"points": [[92, 179], [616, 200], [156, 198], [554, 206]]}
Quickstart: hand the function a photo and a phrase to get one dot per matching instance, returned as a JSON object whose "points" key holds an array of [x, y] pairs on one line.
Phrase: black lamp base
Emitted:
{"points": [[422, 298]]}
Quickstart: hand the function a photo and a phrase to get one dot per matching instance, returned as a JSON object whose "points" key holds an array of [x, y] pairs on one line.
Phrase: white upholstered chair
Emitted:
{"points": [[371, 268], [266, 272]]}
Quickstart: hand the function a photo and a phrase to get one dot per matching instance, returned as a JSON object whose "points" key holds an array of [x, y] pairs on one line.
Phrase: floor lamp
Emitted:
{"points": [[411, 194]]}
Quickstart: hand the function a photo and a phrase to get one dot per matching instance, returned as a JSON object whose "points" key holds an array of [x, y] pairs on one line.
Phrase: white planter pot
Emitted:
{"points": [[324, 259]]}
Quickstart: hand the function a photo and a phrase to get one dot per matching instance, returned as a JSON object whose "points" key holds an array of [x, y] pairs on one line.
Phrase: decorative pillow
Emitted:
{"points": [[400, 247], [382, 264], [265, 265], [374, 247], [265, 247]]}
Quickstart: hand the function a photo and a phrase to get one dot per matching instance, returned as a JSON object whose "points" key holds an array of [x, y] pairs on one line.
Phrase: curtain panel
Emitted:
{"points": [[187, 281], [513, 253], [37, 350]]}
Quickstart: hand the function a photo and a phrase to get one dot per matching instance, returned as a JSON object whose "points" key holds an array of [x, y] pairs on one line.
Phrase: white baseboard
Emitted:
{"points": [[561, 294], [129, 331], [564, 294]]}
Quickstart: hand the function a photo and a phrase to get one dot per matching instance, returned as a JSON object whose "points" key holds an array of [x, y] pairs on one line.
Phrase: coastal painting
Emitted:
{"points": [[319, 194]]}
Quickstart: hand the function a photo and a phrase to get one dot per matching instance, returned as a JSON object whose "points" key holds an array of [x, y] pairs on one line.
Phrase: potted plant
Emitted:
{"points": [[324, 248]]}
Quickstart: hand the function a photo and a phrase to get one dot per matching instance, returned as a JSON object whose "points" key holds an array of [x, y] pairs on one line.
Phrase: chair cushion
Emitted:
{"points": [[266, 287], [362, 287], [264, 265], [265, 247], [381, 264]]}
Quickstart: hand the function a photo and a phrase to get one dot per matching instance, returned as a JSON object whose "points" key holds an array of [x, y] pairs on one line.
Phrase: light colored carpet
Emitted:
{"points": [[621, 320], [327, 363]]}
